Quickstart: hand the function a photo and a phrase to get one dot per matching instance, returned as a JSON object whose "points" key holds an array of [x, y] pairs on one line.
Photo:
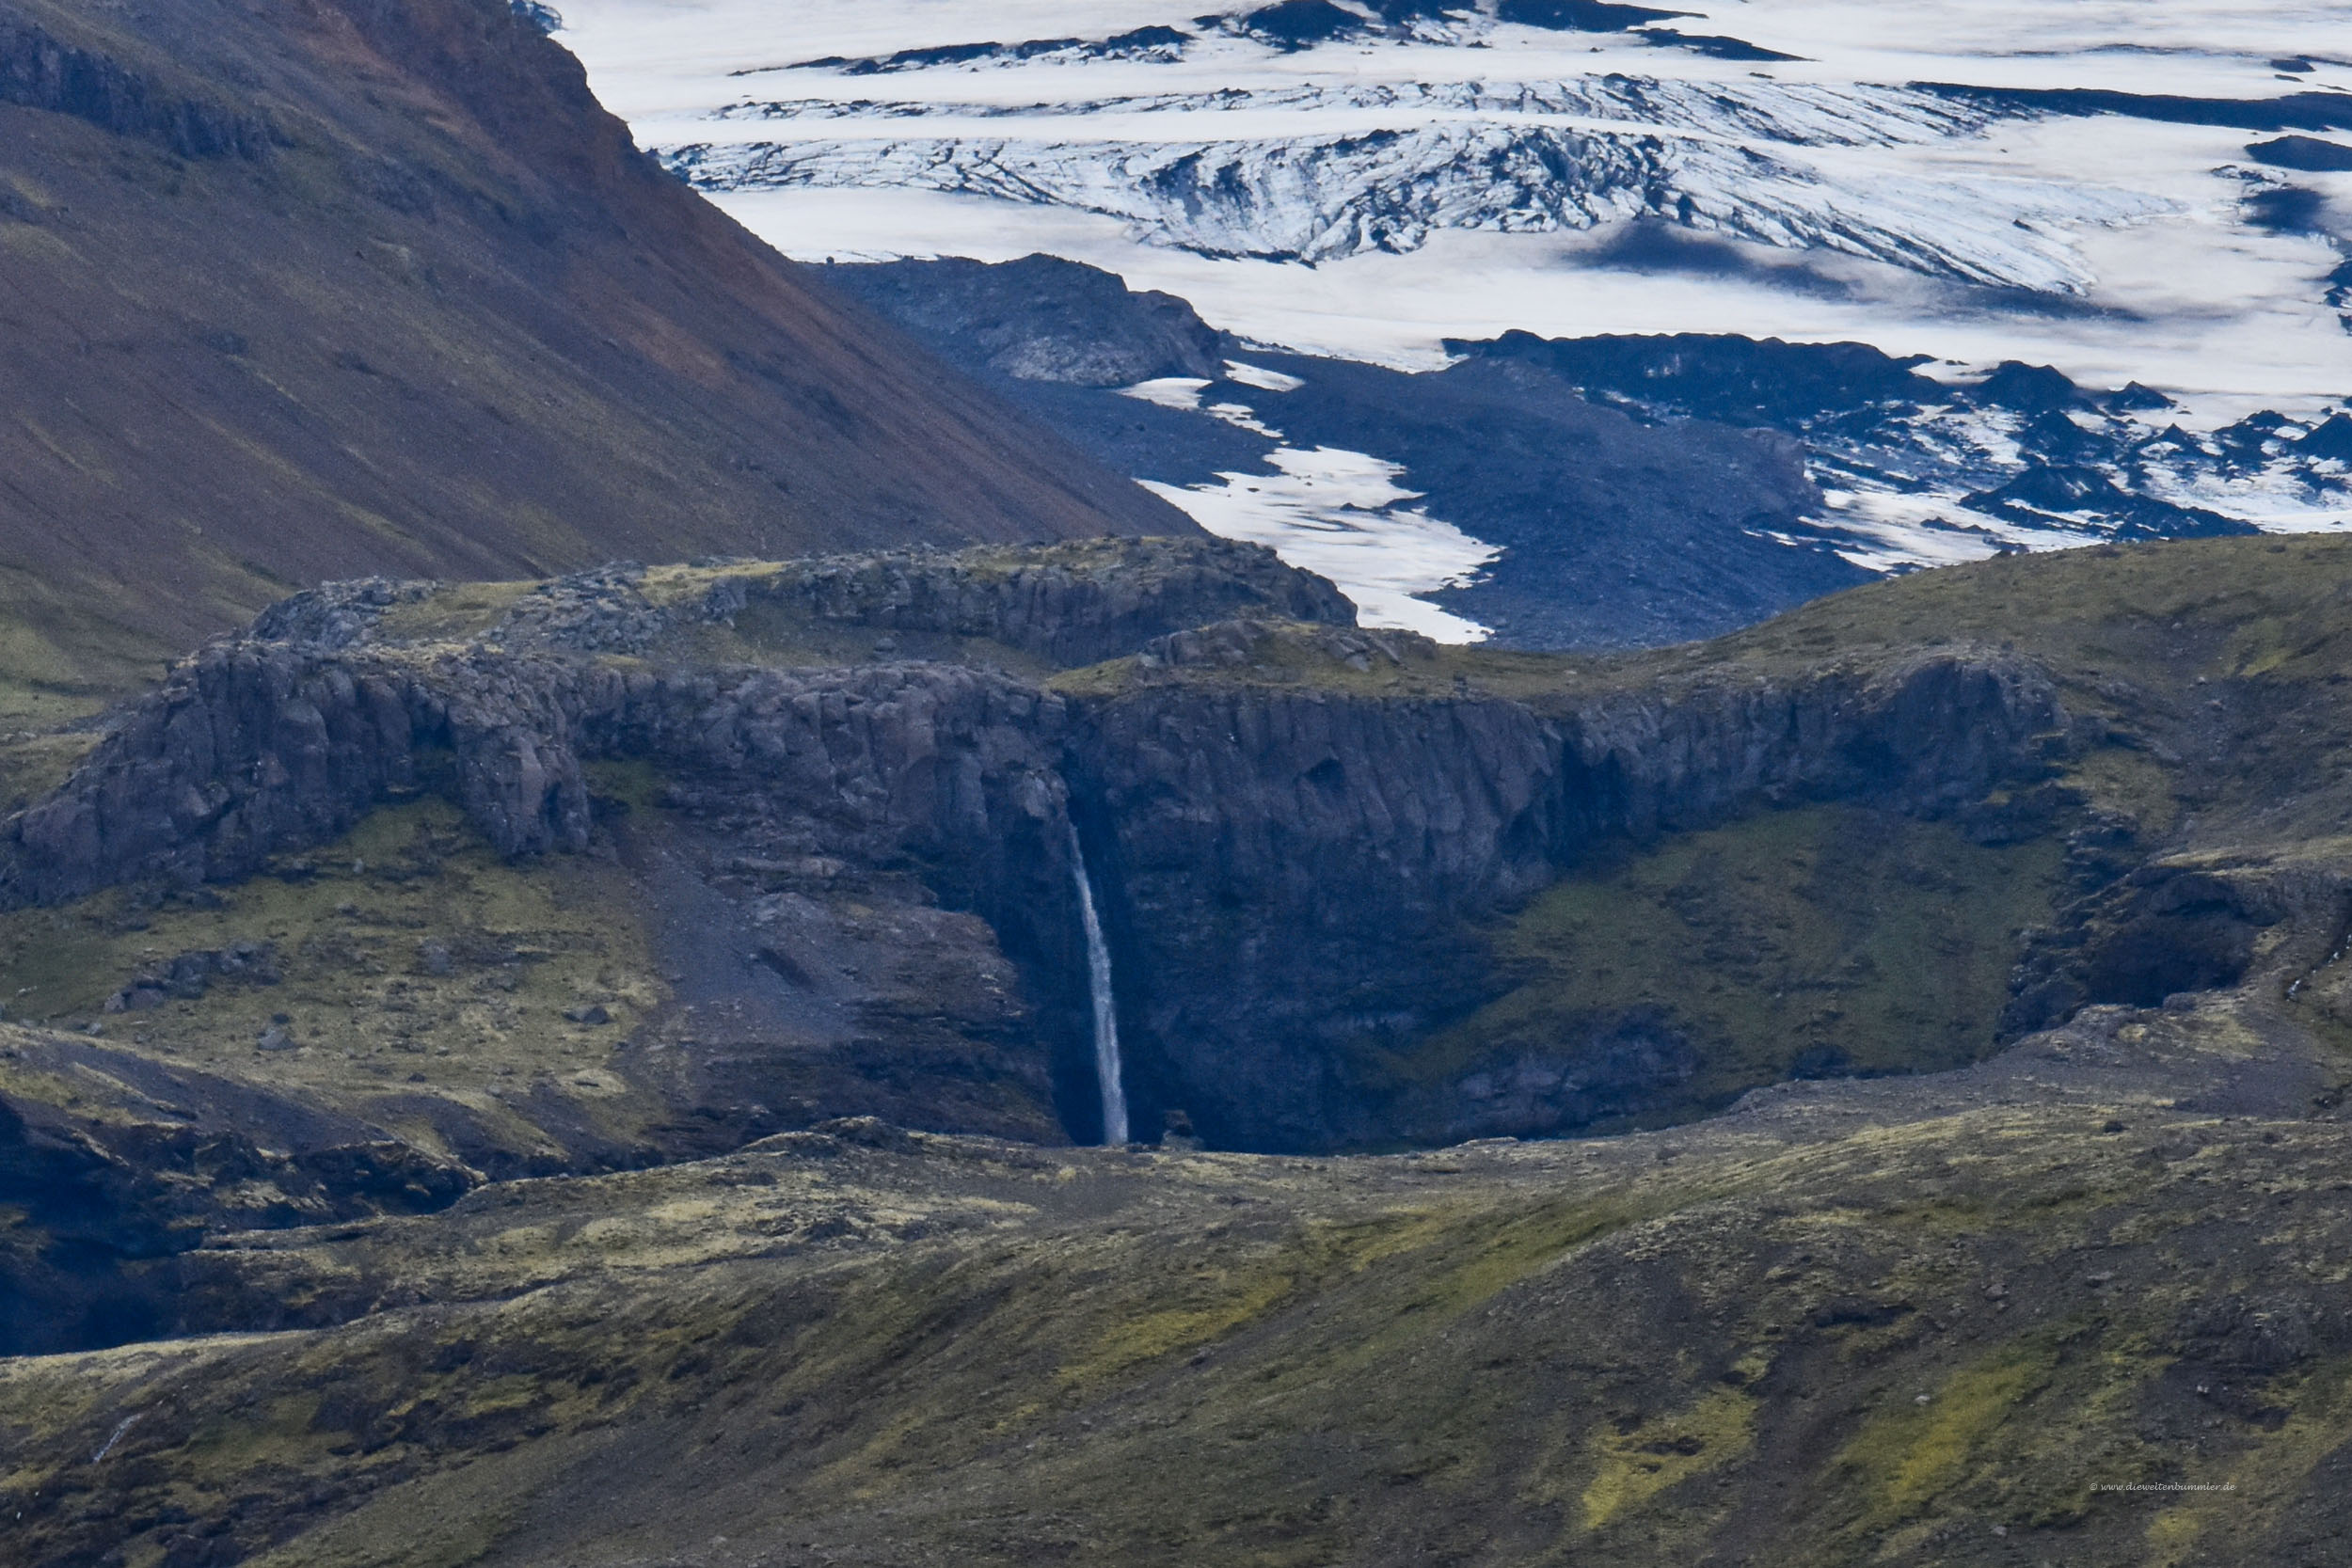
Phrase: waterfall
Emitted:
{"points": [[1106, 1068]]}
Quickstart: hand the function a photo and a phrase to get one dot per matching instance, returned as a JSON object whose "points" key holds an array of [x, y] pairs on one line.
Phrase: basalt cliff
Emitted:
{"points": [[1298, 830], [636, 996]]}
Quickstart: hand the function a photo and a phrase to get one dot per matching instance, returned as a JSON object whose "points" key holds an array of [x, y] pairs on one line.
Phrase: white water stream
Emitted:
{"points": [[1106, 1067]]}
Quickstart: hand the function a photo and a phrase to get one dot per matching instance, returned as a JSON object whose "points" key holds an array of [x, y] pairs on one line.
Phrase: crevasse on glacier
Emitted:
{"points": [[1731, 160]]}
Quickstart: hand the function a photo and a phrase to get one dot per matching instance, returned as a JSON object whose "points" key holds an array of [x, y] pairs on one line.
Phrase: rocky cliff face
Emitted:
{"points": [[1295, 830], [281, 740], [1887, 1313], [1070, 612], [1298, 873], [38, 71], [1067, 605]]}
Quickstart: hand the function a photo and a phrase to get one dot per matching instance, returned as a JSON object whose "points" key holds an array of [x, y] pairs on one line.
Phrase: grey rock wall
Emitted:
{"points": [[1295, 875], [40, 71], [1074, 612], [1292, 871]]}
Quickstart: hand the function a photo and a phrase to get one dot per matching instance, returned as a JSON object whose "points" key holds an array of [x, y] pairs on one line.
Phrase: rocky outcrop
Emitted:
{"points": [[1076, 606], [40, 71], [1928, 734], [256, 749], [252, 749], [1294, 874], [2181, 924], [1042, 319], [337, 614], [1295, 832], [1071, 605]]}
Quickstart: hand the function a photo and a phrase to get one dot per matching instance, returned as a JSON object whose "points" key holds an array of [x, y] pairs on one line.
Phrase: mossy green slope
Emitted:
{"points": [[1962, 1316], [1822, 940], [404, 968], [1847, 1329]]}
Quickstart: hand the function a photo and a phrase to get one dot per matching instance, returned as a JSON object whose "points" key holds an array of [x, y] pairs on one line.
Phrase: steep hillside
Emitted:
{"points": [[2046, 1311], [601, 1056], [295, 291]]}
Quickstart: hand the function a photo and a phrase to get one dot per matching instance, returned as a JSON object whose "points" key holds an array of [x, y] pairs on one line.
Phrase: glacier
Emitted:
{"points": [[1518, 160], [2085, 186]]}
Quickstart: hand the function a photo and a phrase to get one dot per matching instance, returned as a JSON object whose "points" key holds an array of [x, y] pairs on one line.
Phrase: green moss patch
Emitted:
{"points": [[407, 958], [1635, 1463], [1829, 939]]}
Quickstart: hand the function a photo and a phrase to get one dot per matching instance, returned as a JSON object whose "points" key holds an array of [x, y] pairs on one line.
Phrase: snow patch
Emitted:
{"points": [[1339, 514], [1260, 377], [1169, 392]]}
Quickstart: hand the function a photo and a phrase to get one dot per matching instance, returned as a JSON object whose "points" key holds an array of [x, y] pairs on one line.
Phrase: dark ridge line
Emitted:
{"points": [[956, 54], [1713, 47], [2300, 111], [1297, 23], [2307, 154], [1581, 16]]}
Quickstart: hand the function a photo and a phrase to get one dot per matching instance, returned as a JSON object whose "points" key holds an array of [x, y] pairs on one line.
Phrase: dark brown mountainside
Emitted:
{"points": [[302, 289]]}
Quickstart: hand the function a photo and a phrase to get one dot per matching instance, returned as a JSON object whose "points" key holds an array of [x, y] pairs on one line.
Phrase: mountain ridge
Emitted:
{"points": [[377, 278]]}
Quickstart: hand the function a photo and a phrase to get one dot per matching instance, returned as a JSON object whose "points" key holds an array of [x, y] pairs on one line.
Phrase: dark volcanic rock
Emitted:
{"points": [[1615, 533], [1072, 613], [254, 748], [2027, 389], [1042, 319], [2308, 155], [1287, 863], [1140, 43], [40, 71], [2331, 439], [1291, 872], [2135, 398], [1578, 16], [1714, 46], [257, 748], [190, 975], [1297, 23], [2294, 111], [2064, 491], [2162, 930], [1717, 376], [1073, 605]]}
